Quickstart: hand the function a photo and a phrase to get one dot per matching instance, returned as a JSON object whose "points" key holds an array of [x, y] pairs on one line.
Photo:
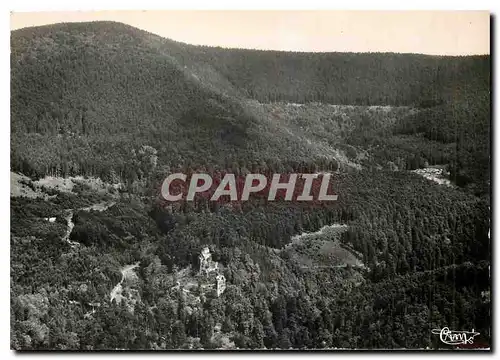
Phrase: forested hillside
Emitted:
{"points": [[344, 78], [102, 89], [105, 103]]}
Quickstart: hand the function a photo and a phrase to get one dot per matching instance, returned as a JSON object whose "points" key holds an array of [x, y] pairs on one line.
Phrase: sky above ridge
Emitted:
{"points": [[426, 32]]}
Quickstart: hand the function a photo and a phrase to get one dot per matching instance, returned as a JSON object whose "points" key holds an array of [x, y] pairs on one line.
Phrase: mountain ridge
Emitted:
{"points": [[108, 111], [77, 86]]}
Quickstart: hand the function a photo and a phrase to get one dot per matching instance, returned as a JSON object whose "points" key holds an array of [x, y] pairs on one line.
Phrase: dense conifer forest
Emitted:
{"points": [[395, 257]]}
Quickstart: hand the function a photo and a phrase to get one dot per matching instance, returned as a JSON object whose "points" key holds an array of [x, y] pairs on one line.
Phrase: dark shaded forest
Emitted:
{"points": [[83, 95], [110, 101]]}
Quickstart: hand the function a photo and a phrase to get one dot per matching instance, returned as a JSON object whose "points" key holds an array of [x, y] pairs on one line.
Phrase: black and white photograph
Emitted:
{"points": [[250, 180]]}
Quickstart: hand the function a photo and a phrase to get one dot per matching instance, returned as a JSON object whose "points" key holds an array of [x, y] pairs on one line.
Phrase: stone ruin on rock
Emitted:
{"points": [[209, 267]]}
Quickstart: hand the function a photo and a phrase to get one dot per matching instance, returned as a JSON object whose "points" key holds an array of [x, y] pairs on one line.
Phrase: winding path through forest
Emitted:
{"points": [[69, 218], [127, 273]]}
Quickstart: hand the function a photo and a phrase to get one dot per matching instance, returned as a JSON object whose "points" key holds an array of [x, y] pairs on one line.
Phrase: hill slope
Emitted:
{"points": [[405, 255], [90, 86], [84, 95], [346, 78]]}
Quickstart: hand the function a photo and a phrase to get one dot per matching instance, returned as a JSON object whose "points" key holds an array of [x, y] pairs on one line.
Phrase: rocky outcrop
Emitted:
{"points": [[208, 268]]}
